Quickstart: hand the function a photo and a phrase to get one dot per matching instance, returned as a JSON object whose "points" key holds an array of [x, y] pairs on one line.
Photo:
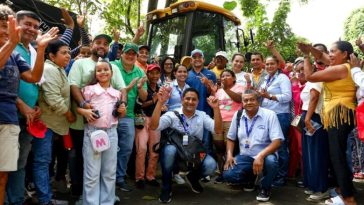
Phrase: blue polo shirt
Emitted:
{"points": [[28, 92], [9, 83], [194, 81]]}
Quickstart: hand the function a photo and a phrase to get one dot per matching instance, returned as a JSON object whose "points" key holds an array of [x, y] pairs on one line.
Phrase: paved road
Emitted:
{"points": [[222, 194]]}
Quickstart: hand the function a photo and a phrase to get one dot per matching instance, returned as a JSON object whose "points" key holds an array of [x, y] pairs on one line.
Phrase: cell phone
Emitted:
{"points": [[96, 112], [315, 125]]}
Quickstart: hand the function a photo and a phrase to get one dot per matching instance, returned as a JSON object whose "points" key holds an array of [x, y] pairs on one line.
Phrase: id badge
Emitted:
{"points": [[247, 144], [185, 140]]}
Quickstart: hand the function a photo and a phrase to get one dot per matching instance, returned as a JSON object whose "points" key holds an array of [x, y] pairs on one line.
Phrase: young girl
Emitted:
{"points": [[100, 167]]}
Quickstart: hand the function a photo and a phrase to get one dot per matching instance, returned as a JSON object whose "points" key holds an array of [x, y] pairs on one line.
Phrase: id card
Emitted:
{"points": [[185, 140], [246, 144]]}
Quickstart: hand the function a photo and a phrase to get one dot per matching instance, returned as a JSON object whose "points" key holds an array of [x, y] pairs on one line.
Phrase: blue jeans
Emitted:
{"points": [[283, 153], [15, 186], [167, 159], [242, 172], [42, 157], [126, 135], [207, 141], [99, 169]]}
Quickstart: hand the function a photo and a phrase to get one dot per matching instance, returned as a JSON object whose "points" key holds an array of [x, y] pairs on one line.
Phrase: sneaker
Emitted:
{"points": [[165, 197], [153, 182], [308, 192], [116, 200], [194, 183], [140, 184], [249, 187], [178, 179], [320, 195], [123, 186], [30, 189], [263, 195], [300, 184], [219, 180], [206, 179]]}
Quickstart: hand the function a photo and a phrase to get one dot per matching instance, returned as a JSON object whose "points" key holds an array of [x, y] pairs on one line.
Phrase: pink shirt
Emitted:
{"points": [[103, 101], [228, 107]]}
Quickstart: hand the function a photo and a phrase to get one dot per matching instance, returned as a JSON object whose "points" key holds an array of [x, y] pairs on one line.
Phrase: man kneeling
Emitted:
{"points": [[194, 122], [259, 135]]}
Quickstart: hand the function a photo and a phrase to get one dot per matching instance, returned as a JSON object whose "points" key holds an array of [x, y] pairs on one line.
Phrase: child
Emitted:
{"points": [[100, 167]]}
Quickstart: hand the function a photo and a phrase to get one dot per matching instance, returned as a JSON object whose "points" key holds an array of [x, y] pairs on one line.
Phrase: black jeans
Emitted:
{"points": [[337, 146], [76, 162]]}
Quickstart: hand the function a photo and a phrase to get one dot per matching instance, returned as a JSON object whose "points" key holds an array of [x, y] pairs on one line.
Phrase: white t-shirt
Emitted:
{"points": [[240, 79], [305, 96]]}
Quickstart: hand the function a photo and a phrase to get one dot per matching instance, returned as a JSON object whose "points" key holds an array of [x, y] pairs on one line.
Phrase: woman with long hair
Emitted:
{"points": [[338, 111]]}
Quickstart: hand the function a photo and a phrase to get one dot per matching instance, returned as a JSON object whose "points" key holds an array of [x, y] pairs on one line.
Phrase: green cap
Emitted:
{"points": [[130, 46], [107, 37]]}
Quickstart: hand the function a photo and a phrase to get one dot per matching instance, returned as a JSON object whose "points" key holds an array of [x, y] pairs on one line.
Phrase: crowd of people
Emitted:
{"points": [[83, 120]]}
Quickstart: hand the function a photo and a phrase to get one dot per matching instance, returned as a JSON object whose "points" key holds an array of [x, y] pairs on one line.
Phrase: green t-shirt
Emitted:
{"points": [[128, 77], [81, 73], [28, 92]]}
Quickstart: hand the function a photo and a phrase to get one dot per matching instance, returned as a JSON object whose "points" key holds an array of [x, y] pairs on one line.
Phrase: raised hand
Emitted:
{"points": [[269, 44], [354, 61], [163, 94], [140, 31], [14, 30], [304, 47], [213, 102], [67, 19], [81, 21], [131, 84], [116, 34], [43, 40], [141, 82], [359, 42]]}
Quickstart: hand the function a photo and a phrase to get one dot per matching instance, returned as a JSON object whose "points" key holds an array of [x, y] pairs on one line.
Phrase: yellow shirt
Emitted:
{"points": [[217, 72], [339, 100]]}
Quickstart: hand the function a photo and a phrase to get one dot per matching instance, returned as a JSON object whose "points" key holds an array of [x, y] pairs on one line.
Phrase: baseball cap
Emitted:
{"points": [[130, 46], [37, 129], [102, 35], [144, 46], [153, 66], [222, 53], [197, 51]]}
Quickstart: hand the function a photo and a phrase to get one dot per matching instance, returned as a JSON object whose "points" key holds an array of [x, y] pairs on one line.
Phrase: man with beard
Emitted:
{"points": [[135, 78], [82, 72]]}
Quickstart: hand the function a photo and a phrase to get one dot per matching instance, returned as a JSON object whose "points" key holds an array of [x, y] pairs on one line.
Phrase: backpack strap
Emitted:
{"points": [[238, 116], [179, 117]]}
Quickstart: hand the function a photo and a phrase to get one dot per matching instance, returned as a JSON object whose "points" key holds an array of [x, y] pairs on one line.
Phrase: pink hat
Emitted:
{"points": [[37, 129]]}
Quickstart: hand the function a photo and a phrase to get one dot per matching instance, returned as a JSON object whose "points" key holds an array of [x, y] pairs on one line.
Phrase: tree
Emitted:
{"points": [[353, 28], [79, 6], [278, 30]]}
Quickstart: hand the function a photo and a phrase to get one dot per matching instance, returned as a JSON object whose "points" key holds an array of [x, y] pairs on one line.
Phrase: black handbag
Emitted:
{"points": [[189, 156]]}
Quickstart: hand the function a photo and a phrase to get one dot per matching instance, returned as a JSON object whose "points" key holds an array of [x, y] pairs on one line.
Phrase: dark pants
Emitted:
{"points": [[315, 154], [76, 162], [61, 156], [283, 153], [338, 137]]}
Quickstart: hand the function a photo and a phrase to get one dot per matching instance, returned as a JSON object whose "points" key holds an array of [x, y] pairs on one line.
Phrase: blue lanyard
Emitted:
{"points": [[249, 130], [270, 81], [179, 92], [185, 125]]}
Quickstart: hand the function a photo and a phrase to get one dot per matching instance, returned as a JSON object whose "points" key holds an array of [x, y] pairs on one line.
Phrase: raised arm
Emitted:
{"points": [[163, 96], [35, 75], [9, 46], [270, 46]]}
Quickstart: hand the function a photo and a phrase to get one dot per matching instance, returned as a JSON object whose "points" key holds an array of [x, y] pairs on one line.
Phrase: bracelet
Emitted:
{"points": [[83, 103]]}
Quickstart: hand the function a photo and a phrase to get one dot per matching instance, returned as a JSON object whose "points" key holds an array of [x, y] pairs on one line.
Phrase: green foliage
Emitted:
{"points": [[353, 28], [230, 5], [118, 14], [277, 30]]}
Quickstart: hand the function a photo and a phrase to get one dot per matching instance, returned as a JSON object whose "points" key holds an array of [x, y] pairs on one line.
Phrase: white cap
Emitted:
{"points": [[223, 54]]}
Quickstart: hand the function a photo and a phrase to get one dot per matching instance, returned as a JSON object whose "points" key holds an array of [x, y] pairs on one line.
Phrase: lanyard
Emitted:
{"points": [[270, 81], [179, 92], [249, 130], [185, 125]]}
